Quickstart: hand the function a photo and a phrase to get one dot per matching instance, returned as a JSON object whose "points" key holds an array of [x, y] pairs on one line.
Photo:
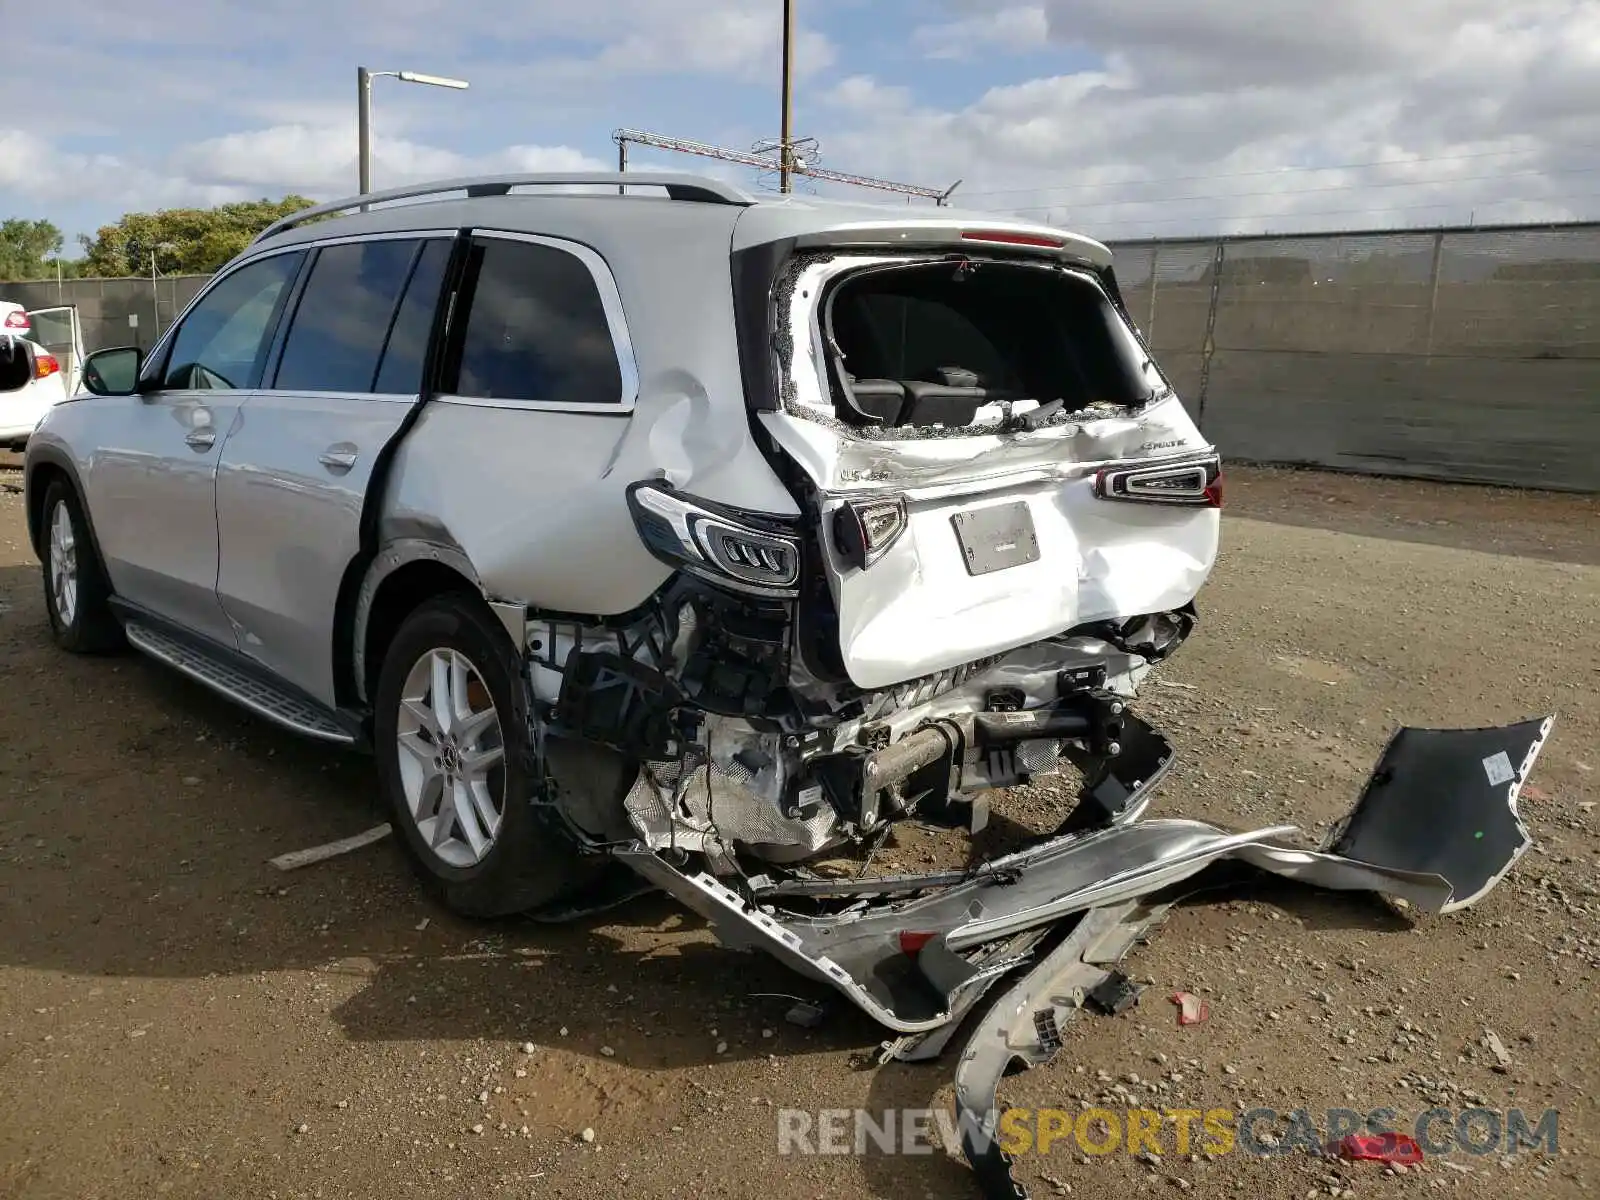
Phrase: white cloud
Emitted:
{"points": [[1023, 27], [318, 161], [1164, 116], [1189, 112]]}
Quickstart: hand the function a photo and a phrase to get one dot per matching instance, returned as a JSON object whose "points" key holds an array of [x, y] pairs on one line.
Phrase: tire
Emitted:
{"points": [[74, 580], [528, 860]]}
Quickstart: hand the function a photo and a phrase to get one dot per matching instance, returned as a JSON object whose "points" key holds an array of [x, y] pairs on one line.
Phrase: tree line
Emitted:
{"points": [[173, 241]]}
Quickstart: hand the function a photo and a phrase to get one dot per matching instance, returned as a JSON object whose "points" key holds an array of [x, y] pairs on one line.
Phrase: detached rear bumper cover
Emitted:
{"points": [[1441, 806], [1436, 825]]}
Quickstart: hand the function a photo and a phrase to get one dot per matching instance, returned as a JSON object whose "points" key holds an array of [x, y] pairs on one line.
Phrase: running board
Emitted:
{"points": [[276, 704]]}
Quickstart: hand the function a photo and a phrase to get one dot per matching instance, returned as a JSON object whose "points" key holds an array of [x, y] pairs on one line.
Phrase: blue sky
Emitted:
{"points": [[1122, 120]]}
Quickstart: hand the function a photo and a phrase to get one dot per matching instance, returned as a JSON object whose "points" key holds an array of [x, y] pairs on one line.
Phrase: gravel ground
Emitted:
{"points": [[177, 1018]]}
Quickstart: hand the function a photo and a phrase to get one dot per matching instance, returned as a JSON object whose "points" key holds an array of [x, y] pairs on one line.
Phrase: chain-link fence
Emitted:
{"points": [[1462, 354], [1467, 355]]}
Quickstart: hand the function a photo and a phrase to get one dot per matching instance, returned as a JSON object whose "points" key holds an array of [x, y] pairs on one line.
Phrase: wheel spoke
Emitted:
{"points": [[473, 725], [440, 678], [467, 818], [424, 751], [483, 802], [424, 799], [422, 715], [477, 764], [460, 685]]}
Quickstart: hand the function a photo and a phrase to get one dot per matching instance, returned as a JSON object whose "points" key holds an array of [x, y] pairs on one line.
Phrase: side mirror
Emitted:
{"points": [[113, 372]]}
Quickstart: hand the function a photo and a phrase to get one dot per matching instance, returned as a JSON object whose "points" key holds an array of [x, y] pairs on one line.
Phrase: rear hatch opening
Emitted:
{"points": [[956, 344], [16, 363], [944, 417]]}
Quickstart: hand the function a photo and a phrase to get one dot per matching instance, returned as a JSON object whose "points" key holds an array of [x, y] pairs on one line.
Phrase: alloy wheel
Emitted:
{"points": [[452, 757], [63, 564]]}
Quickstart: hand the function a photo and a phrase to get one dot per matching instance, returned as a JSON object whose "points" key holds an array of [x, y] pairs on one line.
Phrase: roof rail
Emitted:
{"points": [[679, 185]]}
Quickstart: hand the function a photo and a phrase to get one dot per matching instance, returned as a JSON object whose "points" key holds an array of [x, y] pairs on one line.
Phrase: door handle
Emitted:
{"points": [[337, 460], [201, 439]]}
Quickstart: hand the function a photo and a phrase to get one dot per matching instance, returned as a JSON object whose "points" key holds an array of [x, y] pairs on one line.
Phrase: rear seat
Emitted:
{"points": [[876, 401], [952, 400]]}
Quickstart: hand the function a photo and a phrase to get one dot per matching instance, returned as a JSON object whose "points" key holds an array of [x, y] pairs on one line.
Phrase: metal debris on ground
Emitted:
{"points": [[1116, 995], [296, 859], [805, 1014], [1191, 1008]]}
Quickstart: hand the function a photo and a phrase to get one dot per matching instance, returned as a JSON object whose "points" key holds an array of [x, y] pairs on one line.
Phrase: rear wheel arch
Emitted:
{"points": [[402, 578]]}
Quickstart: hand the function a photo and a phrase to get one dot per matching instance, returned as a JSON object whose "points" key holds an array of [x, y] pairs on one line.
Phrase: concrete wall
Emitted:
{"points": [[1460, 354], [1469, 355]]}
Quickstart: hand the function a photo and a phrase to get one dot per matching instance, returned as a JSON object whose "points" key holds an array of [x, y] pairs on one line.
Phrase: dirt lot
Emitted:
{"points": [[177, 1018]]}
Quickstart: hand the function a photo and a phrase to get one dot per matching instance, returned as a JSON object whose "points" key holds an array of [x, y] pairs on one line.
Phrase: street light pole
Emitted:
{"points": [[364, 129], [364, 78]]}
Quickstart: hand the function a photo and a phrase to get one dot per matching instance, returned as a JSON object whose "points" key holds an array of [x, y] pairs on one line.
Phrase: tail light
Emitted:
{"points": [[912, 942], [755, 553], [1195, 482], [863, 530], [45, 365], [17, 319]]}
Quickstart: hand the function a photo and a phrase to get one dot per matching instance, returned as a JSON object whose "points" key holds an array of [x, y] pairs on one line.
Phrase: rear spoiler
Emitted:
{"points": [[968, 235]]}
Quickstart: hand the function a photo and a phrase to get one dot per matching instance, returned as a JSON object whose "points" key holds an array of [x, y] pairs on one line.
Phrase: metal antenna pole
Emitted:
{"points": [[786, 146]]}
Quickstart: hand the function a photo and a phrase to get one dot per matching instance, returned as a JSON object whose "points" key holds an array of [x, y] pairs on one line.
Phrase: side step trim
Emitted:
{"points": [[275, 704]]}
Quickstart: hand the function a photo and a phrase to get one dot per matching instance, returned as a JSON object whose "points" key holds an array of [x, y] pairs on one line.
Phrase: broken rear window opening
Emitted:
{"points": [[974, 345]]}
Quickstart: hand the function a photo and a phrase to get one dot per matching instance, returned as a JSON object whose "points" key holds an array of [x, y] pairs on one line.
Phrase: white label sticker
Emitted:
{"points": [[1498, 768]]}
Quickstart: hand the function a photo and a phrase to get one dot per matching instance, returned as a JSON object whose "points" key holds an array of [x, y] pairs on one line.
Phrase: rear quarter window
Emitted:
{"points": [[536, 329]]}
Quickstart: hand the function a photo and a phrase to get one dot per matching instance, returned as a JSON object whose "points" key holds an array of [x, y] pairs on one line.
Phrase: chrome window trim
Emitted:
{"points": [[616, 322]]}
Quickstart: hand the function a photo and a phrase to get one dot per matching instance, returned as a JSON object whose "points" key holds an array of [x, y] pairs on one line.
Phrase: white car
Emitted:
{"points": [[41, 356]]}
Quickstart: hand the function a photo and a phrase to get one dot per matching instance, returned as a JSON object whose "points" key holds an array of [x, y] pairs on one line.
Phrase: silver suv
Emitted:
{"points": [[643, 528]]}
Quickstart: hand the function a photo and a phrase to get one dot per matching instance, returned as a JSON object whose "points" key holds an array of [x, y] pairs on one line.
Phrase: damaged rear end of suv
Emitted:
{"points": [[695, 542], [1001, 517]]}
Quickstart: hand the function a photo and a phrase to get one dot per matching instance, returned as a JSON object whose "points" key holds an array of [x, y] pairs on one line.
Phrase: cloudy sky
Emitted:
{"points": [[1123, 119]]}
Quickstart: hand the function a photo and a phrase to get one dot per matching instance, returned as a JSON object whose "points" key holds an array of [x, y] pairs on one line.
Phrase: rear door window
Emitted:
{"points": [[403, 358], [536, 329], [344, 316]]}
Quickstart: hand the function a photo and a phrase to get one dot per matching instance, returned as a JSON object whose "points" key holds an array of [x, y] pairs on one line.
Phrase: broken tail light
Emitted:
{"points": [[863, 530], [45, 365], [1195, 482], [911, 943], [17, 319], [748, 552]]}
